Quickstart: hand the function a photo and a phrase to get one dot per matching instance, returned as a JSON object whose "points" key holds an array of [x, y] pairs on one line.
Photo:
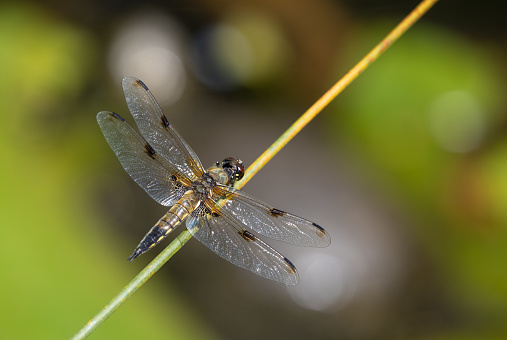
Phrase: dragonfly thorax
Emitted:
{"points": [[204, 185]]}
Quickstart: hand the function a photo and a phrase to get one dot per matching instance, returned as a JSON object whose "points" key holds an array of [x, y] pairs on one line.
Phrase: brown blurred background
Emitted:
{"points": [[407, 169]]}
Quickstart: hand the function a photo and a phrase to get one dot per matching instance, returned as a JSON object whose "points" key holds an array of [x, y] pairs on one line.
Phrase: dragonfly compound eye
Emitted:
{"points": [[235, 166], [240, 170]]}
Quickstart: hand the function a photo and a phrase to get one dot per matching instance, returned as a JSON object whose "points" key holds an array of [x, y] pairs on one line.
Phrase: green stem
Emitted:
{"points": [[134, 285]]}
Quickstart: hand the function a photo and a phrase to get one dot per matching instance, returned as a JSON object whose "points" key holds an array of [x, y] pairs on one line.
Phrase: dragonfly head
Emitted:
{"points": [[234, 168]]}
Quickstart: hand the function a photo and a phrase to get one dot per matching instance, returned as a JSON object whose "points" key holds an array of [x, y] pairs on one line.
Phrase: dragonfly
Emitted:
{"points": [[220, 216]]}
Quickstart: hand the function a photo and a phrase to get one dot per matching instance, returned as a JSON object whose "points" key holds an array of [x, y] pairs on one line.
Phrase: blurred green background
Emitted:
{"points": [[407, 169]]}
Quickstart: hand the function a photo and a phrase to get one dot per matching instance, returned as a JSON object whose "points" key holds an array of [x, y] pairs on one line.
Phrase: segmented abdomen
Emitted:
{"points": [[178, 212]]}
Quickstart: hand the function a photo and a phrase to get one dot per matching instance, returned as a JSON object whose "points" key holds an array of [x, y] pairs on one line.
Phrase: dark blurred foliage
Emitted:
{"points": [[406, 169]]}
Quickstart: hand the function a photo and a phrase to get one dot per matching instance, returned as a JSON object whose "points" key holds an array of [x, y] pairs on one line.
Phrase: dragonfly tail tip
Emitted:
{"points": [[136, 253]]}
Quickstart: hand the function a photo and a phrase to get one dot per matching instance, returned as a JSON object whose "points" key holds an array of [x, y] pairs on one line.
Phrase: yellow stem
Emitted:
{"points": [[337, 88]]}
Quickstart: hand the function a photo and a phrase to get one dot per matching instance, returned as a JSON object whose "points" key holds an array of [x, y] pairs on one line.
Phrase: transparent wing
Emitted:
{"points": [[270, 222], [226, 237], [155, 127], [163, 182]]}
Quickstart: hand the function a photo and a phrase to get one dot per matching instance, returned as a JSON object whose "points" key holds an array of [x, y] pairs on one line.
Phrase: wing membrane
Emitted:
{"points": [[155, 175], [155, 127], [271, 222], [225, 236]]}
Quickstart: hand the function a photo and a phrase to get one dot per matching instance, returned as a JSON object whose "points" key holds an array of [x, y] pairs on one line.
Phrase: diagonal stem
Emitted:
{"points": [[134, 285], [337, 88], [315, 109]]}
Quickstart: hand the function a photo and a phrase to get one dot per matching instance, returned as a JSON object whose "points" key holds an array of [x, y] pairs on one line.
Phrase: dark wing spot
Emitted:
{"points": [[173, 180], [149, 150], [292, 268], [117, 116], [318, 227], [142, 84], [247, 235], [275, 212], [165, 122], [320, 231], [208, 211]]}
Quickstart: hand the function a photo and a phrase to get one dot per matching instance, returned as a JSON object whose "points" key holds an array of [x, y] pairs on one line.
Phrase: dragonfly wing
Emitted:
{"points": [[162, 181], [157, 130], [271, 222], [225, 236]]}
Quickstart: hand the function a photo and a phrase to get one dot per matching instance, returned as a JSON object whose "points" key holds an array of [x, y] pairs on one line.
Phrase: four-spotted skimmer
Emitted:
{"points": [[216, 214]]}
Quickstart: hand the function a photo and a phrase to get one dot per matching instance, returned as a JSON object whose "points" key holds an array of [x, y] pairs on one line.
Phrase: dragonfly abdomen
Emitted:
{"points": [[178, 212]]}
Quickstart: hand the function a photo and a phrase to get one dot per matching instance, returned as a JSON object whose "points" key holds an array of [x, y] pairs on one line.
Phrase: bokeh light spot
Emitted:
{"points": [[148, 46], [328, 283], [247, 48]]}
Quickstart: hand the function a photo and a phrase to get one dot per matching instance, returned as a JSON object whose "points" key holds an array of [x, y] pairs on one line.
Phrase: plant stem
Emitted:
{"points": [[134, 285], [337, 88], [316, 108]]}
